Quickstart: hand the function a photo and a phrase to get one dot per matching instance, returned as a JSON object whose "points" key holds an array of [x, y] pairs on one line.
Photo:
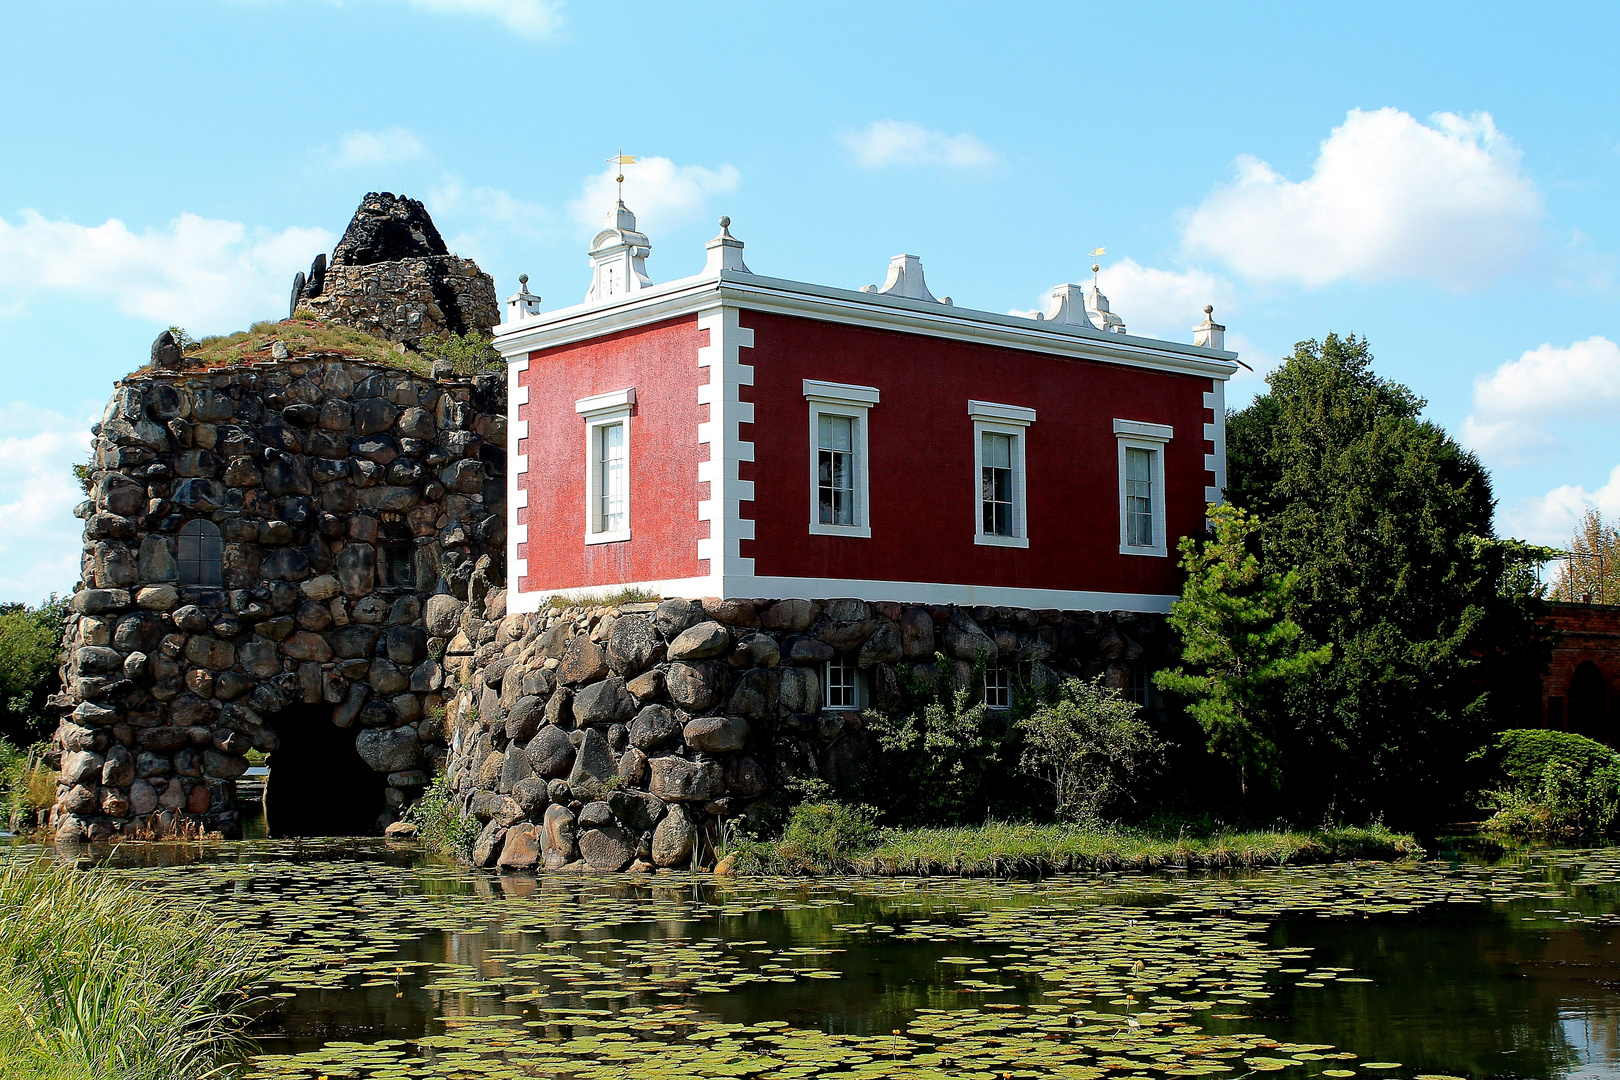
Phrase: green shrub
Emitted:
{"points": [[469, 354], [819, 837], [1556, 783], [440, 822], [941, 762], [1086, 747], [1525, 753], [100, 981]]}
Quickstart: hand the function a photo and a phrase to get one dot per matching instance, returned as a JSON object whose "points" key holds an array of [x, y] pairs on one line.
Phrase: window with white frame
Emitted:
{"points": [[607, 465], [842, 680], [999, 437], [838, 459], [1141, 487], [997, 688]]}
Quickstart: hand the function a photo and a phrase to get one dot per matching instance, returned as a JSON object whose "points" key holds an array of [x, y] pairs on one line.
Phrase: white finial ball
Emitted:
{"points": [[523, 279], [1209, 309], [725, 223]]}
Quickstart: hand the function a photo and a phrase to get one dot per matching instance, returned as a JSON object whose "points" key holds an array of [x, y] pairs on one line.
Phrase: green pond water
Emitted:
{"points": [[381, 962]]}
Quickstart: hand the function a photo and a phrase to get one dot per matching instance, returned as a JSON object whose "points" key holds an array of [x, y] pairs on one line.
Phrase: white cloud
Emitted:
{"points": [[386, 147], [487, 220], [1390, 198], [900, 142], [39, 547], [1517, 406], [205, 274], [660, 192], [1551, 518], [532, 19]]}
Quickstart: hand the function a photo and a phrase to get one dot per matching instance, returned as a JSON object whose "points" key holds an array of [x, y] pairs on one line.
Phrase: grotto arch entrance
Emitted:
{"points": [[318, 784]]}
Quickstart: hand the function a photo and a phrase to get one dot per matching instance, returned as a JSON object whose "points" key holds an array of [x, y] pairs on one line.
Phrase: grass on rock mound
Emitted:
{"points": [[301, 336]]}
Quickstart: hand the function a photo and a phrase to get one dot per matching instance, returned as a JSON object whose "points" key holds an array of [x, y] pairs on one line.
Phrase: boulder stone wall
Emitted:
{"points": [[616, 738], [338, 502]]}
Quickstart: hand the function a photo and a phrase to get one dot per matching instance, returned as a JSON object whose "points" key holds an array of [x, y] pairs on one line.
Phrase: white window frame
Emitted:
{"points": [[1140, 435], [599, 411], [857, 684], [1004, 678], [841, 399], [1013, 420]]}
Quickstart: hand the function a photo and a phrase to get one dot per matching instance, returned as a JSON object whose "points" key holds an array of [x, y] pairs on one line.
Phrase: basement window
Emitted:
{"points": [[997, 688], [843, 682], [396, 554]]}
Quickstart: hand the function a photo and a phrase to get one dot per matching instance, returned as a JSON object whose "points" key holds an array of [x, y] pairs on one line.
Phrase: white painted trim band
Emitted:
{"points": [[609, 402], [1006, 414], [840, 393]]}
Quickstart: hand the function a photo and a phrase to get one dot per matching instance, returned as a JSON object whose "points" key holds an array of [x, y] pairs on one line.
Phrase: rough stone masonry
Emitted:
{"points": [[614, 738], [320, 502]]}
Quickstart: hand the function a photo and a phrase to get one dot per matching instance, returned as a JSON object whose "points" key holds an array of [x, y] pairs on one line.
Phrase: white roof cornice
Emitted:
{"points": [[873, 310]]}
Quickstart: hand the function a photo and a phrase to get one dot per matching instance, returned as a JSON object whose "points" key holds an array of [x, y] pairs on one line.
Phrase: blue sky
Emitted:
{"points": [[1442, 178]]}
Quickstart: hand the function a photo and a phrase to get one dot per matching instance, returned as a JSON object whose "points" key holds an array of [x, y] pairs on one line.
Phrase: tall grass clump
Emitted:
{"points": [[27, 785], [441, 823], [101, 981]]}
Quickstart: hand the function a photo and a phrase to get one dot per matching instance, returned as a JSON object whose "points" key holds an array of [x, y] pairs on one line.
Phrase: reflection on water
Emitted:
{"points": [[1471, 967]]}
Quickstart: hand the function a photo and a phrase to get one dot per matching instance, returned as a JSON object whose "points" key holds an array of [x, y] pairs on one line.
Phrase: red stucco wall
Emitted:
{"points": [[660, 361], [923, 488]]}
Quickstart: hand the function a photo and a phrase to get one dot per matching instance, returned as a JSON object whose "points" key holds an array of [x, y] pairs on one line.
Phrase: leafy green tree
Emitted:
{"points": [[1086, 746], [471, 353], [30, 639], [1239, 648], [1592, 567], [1387, 523]]}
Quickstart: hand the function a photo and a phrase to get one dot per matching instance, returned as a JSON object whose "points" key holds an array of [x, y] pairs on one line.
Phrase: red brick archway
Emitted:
{"points": [[1582, 682]]}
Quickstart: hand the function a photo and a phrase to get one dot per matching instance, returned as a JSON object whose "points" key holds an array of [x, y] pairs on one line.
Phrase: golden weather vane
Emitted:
{"points": [[621, 159], [1095, 265]]}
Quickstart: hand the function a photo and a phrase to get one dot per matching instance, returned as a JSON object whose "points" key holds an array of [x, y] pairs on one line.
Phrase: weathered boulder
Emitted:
{"points": [[487, 848], [521, 851], [594, 767], [700, 642], [634, 645], [442, 615], [638, 810], [550, 752], [605, 702], [674, 838], [653, 726], [558, 837], [389, 750], [716, 734], [608, 848], [694, 687], [676, 779], [583, 661]]}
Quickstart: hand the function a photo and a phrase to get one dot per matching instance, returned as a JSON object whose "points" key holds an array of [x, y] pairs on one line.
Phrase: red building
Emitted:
{"points": [[736, 435], [1576, 692]]}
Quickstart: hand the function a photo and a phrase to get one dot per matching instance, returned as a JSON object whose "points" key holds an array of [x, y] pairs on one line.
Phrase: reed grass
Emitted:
{"points": [[1010, 849], [100, 980]]}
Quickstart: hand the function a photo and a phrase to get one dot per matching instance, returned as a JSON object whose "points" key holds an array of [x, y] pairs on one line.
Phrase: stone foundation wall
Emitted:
{"points": [[347, 498], [617, 737]]}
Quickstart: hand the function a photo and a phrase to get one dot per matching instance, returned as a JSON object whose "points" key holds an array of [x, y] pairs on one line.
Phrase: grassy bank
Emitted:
{"points": [[100, 981], [1008, 849]]}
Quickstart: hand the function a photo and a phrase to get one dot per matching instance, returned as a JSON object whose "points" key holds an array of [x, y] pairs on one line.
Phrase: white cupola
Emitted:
{"points": [[1101, 317], [725, 252], [618, 258]]}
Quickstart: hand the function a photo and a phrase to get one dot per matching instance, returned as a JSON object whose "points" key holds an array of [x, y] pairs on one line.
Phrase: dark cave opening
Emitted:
{"points": [[318, 783]]}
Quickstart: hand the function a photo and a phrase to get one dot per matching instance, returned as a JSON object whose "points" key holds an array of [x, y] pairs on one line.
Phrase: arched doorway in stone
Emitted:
{"points": [[1588, 702], [318, 784]]}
